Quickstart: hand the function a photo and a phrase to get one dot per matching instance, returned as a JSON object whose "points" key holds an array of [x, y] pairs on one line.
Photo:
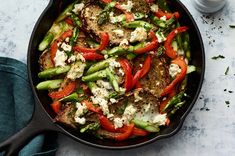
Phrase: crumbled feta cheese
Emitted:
{"points": [[112, 100], [120, 71], [160, 119], [118, 32], [117, 122], [80, 57], [100, 92], [72, 58], [139, 34], [113, 63], [147, 107], [102, 103], [163, 18], [66, 47], [60, 58], [124, 43], [154, 8], [76, 70], [104, 84], [81, 109], [174, 70], [127, 6], [141, 65], [79, 120], [161, 37], [115, 19], [180, 52], [67, 39], [128, 114], [78, 7], [106, 56], [136, 95], [122, 90]]}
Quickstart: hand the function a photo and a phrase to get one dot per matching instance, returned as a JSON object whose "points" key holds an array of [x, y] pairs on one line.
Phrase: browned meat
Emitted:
{"points": [[66, 115], [158, 77], [107, 134], [45, 60], [90, 17]]}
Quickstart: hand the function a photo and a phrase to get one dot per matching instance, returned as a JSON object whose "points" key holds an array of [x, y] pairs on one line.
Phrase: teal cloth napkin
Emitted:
{"points": [[16, 107]]}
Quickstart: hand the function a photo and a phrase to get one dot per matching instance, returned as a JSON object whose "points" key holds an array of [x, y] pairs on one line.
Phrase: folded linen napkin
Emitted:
{"points": [[16, 107]]}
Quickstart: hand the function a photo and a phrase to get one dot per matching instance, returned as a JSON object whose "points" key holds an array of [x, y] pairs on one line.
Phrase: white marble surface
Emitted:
{"points": [[208, 131]]}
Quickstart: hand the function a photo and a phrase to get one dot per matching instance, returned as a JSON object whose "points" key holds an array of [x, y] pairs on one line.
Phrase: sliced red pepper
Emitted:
{"points": [[167, 122], [64, 92], [168, 15], [139, 132], [106, 124], [126, 134], [149, 47], [92, 56], [107, 1], [164, 102], [103, 44], [179, 77], [69, 21], [129, 16], [143, 71], [170, 52], [128, 73], [138, 85], [54, 46], [56, 106], [91, 107]]}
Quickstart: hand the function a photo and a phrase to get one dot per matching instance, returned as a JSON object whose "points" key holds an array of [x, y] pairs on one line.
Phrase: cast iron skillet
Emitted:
{"points": [[42, 119]]}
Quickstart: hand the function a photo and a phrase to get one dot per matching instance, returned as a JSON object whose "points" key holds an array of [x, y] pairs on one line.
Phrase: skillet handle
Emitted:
{"points": [[38, 124]]}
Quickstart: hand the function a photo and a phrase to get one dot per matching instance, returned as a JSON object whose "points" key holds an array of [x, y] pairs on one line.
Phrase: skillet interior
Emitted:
{"points": [[194, 80]]}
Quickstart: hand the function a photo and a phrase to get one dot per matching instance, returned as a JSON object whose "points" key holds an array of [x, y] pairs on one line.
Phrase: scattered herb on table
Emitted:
{"points": [[230, 91], [227, 103], [227, 70], [232, 26], [218, 57]]}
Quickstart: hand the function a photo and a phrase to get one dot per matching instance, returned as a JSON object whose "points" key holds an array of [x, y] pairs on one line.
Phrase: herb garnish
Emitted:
{"points": [[227, 103], [218, 57], [227, 70], [232, 26]]}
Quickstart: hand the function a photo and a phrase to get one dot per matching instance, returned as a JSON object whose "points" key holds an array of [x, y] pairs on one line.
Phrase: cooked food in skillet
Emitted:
{"points": [[116, 69]]}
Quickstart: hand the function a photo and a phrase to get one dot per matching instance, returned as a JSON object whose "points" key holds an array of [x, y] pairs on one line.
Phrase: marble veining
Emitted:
{"points": [[209, 129]]}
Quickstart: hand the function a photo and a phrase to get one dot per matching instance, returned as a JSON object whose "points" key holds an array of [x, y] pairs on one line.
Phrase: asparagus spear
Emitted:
{"points": [[46, 41], [146, 125], [76, 20], [53, 72], [99, 66], [71, 97], [104, 15], [136, 24], [112, 79], [95, 76], [49, 84]]}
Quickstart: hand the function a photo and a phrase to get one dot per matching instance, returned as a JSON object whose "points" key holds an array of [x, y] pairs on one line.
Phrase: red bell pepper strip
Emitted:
{"points": [[126, 134], [103, 44], [69, 21], [128, 73], [91, 107], [54, 45], [56, 105], [179, 77], [106, 124], [164, 102], [151, 46], [170, 52], [64, 92], [143, 71], [129, 16], [138, 85], [92, 56], [167, 122], [168, 15], [139, 132]]}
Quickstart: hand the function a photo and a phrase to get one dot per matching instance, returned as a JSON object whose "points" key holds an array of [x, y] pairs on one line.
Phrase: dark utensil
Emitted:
{"points": [[42, 119]]}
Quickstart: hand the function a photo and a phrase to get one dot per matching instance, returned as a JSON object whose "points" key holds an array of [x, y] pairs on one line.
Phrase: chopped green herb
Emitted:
{"points": [[225, 90], [230, 91], [232, 26], [227, 102], [218, 57], [227, 70]]}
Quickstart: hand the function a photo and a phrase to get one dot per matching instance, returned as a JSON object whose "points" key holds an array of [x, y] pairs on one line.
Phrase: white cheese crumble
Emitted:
{"points": [[136, 95], [127, 7], [115, 19], [67, 39], [100, 92], [66, 47], [121, 72], [72, 58], [113, 63], [124, 43], [104, 84], [163, 18], [106, 56], [112, 100], [81, 109], [160, 119], [80, 57], [117, 122], [128, 114], [76, 70], [78, 7], [174, 70], [60, 58], [154, 8], [118, 32], [161, 37], [102, 103], [139, 34], [180, 52]]}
